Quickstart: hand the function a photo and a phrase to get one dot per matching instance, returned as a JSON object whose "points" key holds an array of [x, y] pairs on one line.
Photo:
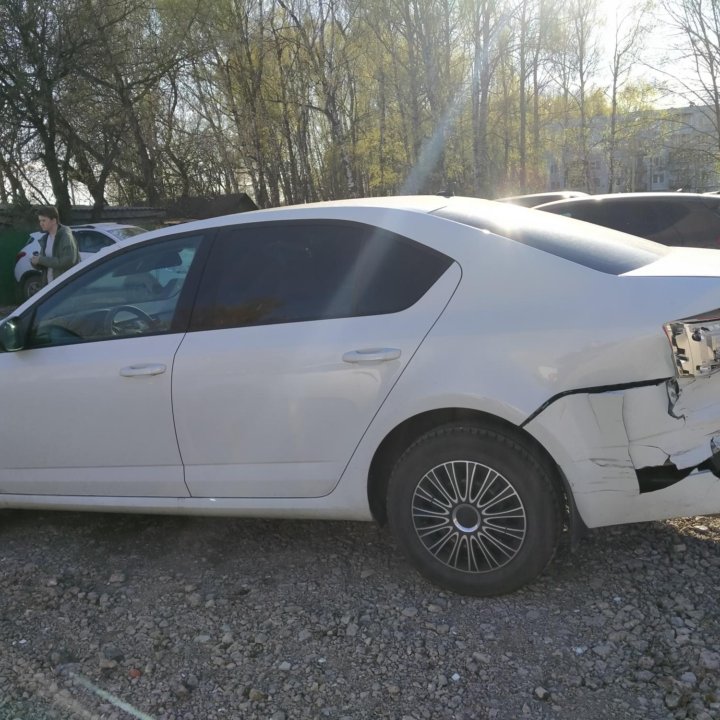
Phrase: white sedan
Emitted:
{"points": [[476, 374], [90, 239]]}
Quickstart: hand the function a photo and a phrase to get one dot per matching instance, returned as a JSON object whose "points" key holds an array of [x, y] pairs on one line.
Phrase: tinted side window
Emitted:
{"points": [[294, 272], [699, 225]]}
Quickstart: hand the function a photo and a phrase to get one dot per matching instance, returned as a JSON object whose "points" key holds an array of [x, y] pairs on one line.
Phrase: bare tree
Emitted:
{"points": [[631, 25], [698, 22], [40, 45]]}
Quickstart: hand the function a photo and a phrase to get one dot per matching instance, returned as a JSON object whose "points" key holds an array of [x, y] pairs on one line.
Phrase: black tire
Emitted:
{"points": [[474, 510], [31, 283]]}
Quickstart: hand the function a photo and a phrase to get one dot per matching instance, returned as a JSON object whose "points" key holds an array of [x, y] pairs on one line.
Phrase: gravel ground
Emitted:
{"points": [[109, 616]]}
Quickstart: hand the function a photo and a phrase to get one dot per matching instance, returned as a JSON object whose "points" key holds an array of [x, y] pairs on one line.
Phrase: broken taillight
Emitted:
{"points": [[695, 344]]}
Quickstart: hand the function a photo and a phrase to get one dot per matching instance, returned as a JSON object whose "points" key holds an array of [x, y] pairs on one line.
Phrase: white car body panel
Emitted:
{"points": [[300, 408], [575, 356], [78, 427], [599, 456], [682, 262]]}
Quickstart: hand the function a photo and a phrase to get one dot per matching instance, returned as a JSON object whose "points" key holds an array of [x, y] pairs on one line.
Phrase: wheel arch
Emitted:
{"points": [[404, 434], [28, 273]]}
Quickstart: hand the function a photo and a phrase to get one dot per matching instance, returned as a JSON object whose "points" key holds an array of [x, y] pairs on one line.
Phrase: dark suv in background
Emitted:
{"points": [[671, 218]]}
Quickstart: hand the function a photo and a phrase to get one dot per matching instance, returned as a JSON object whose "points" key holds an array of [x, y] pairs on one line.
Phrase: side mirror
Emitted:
{"points": [[12, 336]]}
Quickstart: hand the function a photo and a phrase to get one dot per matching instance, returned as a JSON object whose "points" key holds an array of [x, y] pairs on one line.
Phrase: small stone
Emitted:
{"points": [[672, 700], [304, 635], [709, 660], [285, 666], [112, 652], [603, 650], [351, 630], [409, 611], [117, 577], [541, 693], [134, 673], [202, 639], [256, 695], [689, 678], [194, 600]]}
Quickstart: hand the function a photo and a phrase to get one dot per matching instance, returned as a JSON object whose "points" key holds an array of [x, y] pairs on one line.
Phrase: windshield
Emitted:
{"points": [[595, 247], [126, 232]]}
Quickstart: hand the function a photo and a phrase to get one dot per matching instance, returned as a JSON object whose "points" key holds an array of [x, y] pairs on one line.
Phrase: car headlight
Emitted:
{"points": [[695, 344]]}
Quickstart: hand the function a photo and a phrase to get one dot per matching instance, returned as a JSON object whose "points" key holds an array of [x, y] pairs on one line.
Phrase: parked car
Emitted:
{"points": [[90, 239], [540, 198], [477, 374], [671, 218]]}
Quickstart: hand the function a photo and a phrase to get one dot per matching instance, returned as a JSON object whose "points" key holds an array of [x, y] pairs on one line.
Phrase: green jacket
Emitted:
{"points": [[64, 253]]}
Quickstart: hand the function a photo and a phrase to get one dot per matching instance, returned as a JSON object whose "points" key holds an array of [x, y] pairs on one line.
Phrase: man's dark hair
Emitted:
{"points": [[49, 211]]}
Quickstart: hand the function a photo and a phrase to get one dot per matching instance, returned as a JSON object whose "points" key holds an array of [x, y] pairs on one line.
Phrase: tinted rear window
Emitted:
{"points": [[595, 247]]}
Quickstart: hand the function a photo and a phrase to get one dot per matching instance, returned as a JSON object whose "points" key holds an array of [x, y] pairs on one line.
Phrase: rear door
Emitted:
{"points": [[299, 333]]}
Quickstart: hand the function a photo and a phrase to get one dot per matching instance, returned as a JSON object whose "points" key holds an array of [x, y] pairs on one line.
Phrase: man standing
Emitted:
{"points": [[58, 247]]}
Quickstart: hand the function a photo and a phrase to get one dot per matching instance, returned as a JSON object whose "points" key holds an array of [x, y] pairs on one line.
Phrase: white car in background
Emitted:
{"points": [[90, 239], [477, 374]]}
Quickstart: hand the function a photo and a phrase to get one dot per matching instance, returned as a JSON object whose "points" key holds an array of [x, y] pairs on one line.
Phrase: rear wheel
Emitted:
{"points": [[474, 510], [31, 284]]}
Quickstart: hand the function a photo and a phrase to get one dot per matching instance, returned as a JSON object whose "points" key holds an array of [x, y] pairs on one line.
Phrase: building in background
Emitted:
{"points": [[673, 149]]}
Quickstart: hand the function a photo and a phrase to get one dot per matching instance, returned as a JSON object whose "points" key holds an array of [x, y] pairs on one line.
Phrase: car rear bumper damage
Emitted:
{"points": [[636, 453]]}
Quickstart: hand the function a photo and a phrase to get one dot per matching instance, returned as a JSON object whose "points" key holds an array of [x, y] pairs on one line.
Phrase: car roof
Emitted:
{"points": [[102, 226], [607, 251], [423, 204]]}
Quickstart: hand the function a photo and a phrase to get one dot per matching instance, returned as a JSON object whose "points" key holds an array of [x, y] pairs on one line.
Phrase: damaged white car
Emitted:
{"points": [[477, 375]]}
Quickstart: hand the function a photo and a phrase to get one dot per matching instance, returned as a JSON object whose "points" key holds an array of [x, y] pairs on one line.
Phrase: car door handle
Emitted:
{"points": [[137, 370], [371, 355]]}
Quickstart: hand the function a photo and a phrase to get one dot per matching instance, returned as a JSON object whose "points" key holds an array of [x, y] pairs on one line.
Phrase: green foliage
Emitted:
{"points": [[299, 100]]}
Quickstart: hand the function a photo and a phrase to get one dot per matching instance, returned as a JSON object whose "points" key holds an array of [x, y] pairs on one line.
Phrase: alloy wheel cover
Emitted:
{"points": [[468, 516]]}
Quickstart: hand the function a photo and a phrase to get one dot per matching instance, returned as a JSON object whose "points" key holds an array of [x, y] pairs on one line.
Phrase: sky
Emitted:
{"points": [[657, 48]]}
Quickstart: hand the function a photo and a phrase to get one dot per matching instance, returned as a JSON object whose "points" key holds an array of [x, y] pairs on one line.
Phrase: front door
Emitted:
{"points": [[87, 403]]}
